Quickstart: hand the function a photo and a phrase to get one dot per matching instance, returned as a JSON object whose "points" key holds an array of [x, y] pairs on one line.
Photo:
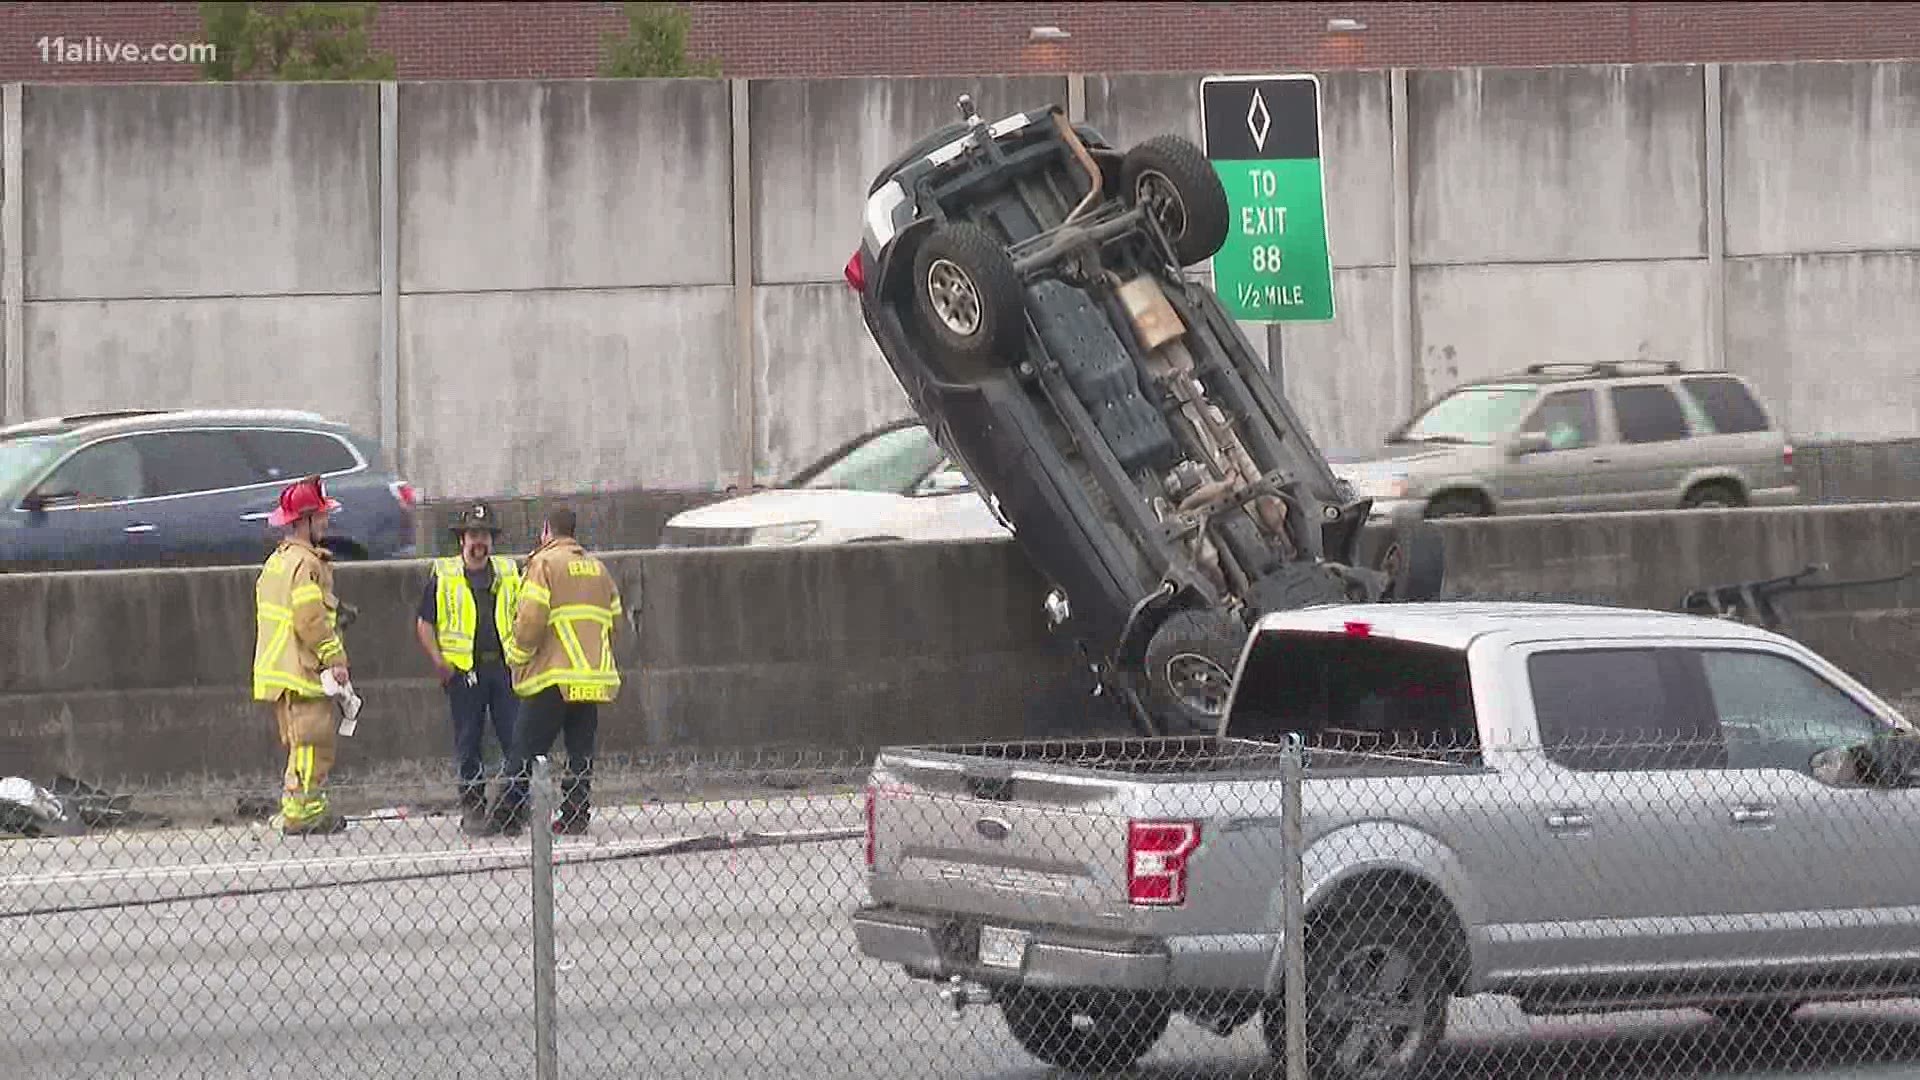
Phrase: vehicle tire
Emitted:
{"points": [[1177, 183], [1382, 968], [1714, 495], [1415, 558], [967, 298], [1189, 664], [1118, 1030], [1456, 504]]}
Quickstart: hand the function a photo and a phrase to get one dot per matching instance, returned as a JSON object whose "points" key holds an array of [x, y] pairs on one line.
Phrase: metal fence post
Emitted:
{"points": [[1293, 921], [546, 1054]]}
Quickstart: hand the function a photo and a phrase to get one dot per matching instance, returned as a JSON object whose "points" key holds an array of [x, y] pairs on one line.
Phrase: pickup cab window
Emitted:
{"points": [[1777, 713], [1616, 709], [1689, 708], [1357, 693]]}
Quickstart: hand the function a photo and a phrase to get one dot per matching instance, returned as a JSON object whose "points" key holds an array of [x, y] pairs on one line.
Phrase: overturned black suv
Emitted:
{"points": [[1024, 281]]}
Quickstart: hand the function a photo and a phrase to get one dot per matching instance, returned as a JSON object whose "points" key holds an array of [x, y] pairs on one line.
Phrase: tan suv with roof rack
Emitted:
{"points": [[1562, 438]]}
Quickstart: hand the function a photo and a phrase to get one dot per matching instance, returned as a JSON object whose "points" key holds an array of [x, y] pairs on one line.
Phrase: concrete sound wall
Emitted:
{"points": [[569, 287], [120, 675]]}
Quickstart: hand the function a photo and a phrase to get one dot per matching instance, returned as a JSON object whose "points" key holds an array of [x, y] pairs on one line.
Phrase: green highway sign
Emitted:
{"points": [[1262, 133]]}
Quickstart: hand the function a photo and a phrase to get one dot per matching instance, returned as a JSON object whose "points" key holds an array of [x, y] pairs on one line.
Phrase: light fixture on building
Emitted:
{"points": [[1344, 25], [1047, 33]]}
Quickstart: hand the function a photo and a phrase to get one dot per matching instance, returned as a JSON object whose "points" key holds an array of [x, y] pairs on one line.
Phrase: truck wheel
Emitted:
{"points": [[1176, 183], [1190, 661], [1414, 559], [967, 298], [1376, 1001], [1084, 1031]]}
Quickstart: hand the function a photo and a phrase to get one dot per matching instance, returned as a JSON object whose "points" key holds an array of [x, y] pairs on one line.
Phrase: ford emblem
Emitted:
{"points": [[992, 828]]}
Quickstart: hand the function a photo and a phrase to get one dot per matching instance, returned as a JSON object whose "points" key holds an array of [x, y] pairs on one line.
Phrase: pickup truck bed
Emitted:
{"points": [[1176, 758], [1584, 808]]}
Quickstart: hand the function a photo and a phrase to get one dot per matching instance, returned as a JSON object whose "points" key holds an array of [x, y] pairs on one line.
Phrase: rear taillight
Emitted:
{"points": [[1786, 455], [870, 828], [404, 493], [856, 272], [1157, 861]]}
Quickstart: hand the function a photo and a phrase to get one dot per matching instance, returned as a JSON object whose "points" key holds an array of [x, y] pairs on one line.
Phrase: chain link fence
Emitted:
{"points": [[1354, 907]]}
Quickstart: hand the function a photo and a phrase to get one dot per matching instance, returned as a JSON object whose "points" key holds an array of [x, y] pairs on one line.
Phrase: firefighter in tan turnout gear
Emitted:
{"points": [[297, 638], [561, 652]]}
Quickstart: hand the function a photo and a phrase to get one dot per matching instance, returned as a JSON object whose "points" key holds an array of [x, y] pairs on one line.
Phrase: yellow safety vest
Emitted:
{"points": [[456, 615]]}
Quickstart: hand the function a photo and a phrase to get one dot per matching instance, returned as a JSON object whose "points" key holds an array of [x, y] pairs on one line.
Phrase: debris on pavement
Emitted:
{"points": [[69, 808]]}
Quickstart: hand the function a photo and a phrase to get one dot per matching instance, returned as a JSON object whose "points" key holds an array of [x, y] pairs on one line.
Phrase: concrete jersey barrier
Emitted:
{"points": [[118, 676]]}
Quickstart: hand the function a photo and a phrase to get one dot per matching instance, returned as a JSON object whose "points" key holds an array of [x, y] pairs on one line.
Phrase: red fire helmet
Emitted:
{"points": [[302, 497]]}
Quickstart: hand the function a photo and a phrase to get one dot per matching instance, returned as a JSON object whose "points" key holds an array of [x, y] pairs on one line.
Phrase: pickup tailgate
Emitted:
{"points": [[1019, 841]]}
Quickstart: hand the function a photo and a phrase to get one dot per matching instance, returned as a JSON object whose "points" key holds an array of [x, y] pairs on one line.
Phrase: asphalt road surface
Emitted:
{"points": [[236, 953]]}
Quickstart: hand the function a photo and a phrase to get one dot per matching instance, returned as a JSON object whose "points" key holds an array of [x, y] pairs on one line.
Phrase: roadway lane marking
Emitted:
{"points": [[441, 857]]}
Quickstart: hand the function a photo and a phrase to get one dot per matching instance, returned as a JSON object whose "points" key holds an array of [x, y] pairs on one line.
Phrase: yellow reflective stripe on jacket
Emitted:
{"points": [[308, 593], [537, 593], [267, 676]]}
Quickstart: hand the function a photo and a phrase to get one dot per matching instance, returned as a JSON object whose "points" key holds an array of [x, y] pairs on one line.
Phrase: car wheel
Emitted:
{"points": [[1715, 496], [1376, 1001], [1415, 561], [1189, 662], [1175, 182], [968, 300], [1084, 1031]]}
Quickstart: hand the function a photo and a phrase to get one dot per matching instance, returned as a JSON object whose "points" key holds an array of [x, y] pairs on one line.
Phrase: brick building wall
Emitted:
{"points": [[563, 39]]}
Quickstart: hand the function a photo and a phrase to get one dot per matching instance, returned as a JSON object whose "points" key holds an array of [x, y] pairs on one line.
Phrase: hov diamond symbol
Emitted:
{"points": [[1262, 135], [1258, 121]]}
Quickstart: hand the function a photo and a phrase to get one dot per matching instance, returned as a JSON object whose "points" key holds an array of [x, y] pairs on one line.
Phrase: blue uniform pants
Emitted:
{"points": [[489, 696]]}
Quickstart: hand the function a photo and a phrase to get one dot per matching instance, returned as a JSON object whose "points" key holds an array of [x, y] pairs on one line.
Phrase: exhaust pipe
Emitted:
{"points": [[958, 994]]}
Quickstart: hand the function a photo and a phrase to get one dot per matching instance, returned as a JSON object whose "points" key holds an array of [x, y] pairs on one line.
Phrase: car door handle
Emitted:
{"points": [[1603, 461], [257, 515], [1751, 815], [143, 527], [1568, 819]]}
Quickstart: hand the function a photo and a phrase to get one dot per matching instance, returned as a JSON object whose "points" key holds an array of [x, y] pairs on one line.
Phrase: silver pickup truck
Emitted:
{"points": [[1583, 808]]}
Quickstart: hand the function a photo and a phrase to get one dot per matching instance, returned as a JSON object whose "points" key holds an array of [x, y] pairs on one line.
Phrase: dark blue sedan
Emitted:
{"points": [[181, 487]]}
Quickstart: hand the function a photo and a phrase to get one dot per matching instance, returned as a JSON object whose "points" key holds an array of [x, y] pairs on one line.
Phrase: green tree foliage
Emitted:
{"points": [[654, 46], [301, 42]]}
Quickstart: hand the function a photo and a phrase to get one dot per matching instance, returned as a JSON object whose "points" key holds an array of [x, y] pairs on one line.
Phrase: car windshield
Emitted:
{"points": [[1471, 415], [892, 461], [21, 461]]}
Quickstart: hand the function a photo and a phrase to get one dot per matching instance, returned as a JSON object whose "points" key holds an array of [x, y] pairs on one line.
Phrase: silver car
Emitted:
{"points": [[1581, 437]]}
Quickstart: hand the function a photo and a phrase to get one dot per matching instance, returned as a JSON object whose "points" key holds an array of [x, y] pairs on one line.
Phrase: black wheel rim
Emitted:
{"points": [[1153, 190]]}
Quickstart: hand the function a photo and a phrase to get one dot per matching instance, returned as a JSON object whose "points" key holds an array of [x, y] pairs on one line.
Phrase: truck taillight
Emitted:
{"points": [[1786, 455], [1157, 861], [870, 828], [404, 494]]}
